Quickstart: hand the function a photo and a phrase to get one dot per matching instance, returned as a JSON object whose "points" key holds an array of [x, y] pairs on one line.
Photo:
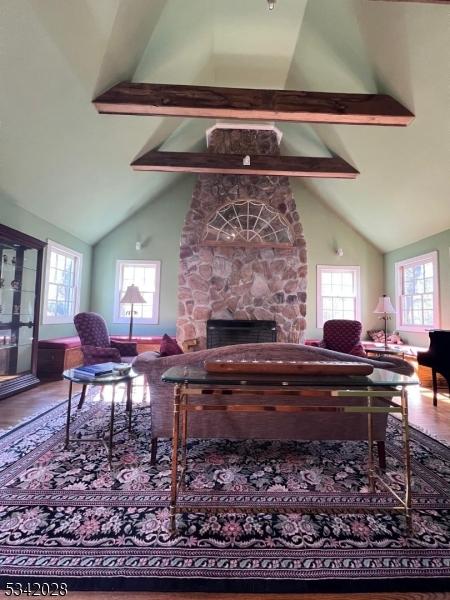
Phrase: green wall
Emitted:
{"points": [[158, 225], [18, 218], [325, 232], [441, 243]]}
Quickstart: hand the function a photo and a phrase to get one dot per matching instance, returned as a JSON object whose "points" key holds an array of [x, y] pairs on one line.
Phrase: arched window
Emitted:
{"points": [[248, 223]]}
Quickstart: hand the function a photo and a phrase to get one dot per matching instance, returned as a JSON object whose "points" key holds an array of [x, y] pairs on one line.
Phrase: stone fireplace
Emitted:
{"points": [[242, 250]]}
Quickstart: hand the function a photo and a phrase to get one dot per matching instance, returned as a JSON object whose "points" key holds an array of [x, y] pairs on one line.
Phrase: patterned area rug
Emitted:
{"points": [[65, 514]]}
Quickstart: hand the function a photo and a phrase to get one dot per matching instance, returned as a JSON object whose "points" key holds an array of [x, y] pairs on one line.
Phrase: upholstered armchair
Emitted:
{"points": [[343, 335], [96, 345]]}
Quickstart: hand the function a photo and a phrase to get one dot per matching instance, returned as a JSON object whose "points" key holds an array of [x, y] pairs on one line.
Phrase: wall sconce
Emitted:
{"points": [[246, 161], [138, 246], [271, 4], [339, 252]]}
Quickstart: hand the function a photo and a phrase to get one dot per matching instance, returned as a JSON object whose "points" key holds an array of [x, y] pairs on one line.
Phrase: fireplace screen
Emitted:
{"points": [[248, 223]]}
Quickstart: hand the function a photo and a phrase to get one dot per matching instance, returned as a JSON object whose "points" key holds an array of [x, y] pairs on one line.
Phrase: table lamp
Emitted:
{"points": [[384, 308], [132, 296]]}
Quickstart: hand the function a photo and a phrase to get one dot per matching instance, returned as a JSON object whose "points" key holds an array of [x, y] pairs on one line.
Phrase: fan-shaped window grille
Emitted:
{"points": [[248, 223]]}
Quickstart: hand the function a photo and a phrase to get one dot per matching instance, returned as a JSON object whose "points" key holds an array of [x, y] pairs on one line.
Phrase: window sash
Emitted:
{"points": [[417, 292], [133, 272], [338, 293], [61, 284]]}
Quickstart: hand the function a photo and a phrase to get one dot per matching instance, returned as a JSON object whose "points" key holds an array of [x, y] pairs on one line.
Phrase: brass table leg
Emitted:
{"points": [[407, 457], [69, 408], [371, 472], [184, 416], [175, 436]]}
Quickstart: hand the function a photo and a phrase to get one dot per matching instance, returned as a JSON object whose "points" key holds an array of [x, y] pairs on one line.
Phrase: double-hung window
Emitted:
{"points": [[417, 293], [145, 275], [62, 284], [338, 293]]}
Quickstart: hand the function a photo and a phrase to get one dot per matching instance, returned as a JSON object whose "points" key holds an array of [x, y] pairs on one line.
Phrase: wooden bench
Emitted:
{"points": [[144, 343], [58, 354]]}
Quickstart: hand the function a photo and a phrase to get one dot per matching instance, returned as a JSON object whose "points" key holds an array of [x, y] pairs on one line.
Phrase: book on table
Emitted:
{"points": [[92, 371]]}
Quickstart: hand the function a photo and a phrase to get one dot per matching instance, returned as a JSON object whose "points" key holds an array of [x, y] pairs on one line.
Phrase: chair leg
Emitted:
{"points": [[381, 447], [153, 450], [433, 372], [82, 397]]}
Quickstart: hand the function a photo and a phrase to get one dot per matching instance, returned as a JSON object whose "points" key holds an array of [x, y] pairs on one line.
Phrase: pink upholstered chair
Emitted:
{"points": [[343, 335], [96, 345]]}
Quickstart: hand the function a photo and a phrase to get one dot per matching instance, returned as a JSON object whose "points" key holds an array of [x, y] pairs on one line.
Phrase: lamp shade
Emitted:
{"points": [[384, 306], [132, 296]]}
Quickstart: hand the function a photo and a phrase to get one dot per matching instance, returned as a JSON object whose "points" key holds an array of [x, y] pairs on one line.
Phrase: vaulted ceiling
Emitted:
{"points": [[64, 162]]}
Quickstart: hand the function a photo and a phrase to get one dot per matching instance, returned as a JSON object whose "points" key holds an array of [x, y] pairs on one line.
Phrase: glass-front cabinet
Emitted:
{"points": [[20, 285]]}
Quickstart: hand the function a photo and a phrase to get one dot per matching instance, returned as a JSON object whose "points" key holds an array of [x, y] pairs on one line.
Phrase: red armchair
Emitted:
{"points": [[343, 335], [96, 345]]}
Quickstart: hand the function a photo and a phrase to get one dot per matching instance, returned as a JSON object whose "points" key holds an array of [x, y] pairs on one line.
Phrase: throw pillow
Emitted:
{"points": [[169, 346], [376, 335]]}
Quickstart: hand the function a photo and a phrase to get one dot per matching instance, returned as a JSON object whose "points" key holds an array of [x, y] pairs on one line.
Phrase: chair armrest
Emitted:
{"points": [[93, 355], [358, 350], [125, 348]]}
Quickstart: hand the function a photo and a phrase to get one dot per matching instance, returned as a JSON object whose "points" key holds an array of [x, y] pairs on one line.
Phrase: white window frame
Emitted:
{"points": [[333, 269], [154, 320], [78, 259], [399, 266]]}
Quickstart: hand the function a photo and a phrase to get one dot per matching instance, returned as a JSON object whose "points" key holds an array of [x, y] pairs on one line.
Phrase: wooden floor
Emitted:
{"points": [[434, 420]]}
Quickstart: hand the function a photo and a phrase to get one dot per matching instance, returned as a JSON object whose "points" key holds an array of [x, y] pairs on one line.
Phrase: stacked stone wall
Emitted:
{"points": [[241, 282]]}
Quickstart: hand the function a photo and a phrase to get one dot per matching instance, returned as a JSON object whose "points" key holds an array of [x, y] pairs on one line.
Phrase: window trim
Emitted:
{"points": [[51, 320], [337, 269], [399, 265], [137, 320]]}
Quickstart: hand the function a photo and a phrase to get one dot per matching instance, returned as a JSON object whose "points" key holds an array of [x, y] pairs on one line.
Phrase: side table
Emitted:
{"points": [[109, 379]]}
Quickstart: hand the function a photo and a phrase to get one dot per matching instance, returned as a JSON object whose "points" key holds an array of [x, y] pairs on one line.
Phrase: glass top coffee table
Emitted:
{"points": [[111, 379], [195, 388]]}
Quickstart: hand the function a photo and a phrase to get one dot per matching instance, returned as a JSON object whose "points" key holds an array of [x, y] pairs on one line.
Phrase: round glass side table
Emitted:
{"points": [[111, 379]]}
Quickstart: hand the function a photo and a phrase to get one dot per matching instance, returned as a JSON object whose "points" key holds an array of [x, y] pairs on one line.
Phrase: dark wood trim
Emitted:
{"points": [[420, 1], [291, 166], [37, 310], [156, 99], [18, 237]]}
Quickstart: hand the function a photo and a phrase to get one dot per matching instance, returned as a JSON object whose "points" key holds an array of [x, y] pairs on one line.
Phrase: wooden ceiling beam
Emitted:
{"points": [[291, 166], [422, 1], [156, 99]]}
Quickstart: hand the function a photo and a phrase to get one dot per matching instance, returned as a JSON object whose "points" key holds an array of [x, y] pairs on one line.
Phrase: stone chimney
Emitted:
{"points": [[242, 250]]}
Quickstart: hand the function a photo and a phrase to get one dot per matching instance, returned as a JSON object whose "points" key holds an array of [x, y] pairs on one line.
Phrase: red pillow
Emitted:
{"points": [[169, 346]]}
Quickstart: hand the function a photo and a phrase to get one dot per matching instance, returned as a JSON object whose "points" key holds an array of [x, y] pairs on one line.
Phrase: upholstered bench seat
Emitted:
{"points": [[64, 342], [56, 355]]}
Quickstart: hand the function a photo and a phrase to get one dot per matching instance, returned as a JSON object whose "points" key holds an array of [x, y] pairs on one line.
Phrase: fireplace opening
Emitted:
{"points": [[227, 332]]}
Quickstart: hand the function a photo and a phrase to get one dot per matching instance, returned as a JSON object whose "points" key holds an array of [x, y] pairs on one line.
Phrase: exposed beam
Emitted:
{"points": [[422, 1], [291, 166], [275, 105]]}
